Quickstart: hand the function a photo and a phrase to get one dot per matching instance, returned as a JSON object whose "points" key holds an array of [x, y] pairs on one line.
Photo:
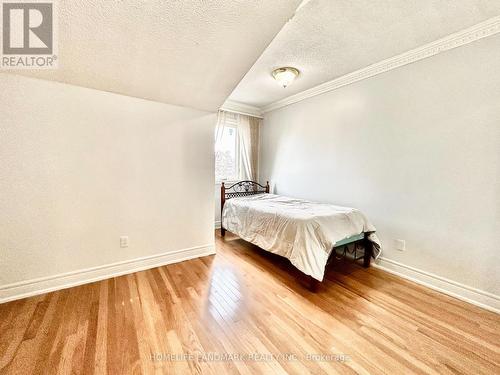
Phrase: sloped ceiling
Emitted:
{"points": [[330, 38], [185, 52]]}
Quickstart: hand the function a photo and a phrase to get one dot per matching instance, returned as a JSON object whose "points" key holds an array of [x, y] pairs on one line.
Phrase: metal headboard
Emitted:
{"points": [[243, 188]]}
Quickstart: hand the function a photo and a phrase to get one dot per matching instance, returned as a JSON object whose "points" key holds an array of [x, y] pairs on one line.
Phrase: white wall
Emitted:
{"points": [[417, 149], [80, 168]]}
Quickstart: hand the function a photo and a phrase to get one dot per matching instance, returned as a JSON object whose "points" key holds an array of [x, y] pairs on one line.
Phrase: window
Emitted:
{"points": [[226, 149]]}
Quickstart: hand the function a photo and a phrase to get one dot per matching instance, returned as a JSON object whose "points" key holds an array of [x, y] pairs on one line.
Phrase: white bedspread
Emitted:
{"points": [[302, 231]]}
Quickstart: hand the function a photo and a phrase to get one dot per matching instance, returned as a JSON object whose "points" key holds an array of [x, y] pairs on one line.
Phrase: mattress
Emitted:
{"points": [[303, 231]]}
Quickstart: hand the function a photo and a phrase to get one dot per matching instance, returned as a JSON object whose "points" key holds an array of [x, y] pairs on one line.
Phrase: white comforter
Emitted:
{"points": [[302, 231]]}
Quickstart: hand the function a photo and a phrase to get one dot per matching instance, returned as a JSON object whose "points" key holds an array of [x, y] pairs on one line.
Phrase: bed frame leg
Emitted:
{"points": [[222, 201], [368, 252], [312, 284]]}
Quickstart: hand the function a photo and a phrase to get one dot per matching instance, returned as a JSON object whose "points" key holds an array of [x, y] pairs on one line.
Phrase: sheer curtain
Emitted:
{"points": [[248, 134], [248, 129], [219, 128]]}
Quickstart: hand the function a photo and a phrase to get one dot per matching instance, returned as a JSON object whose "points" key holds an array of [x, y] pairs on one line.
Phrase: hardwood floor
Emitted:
{"points": [[246, 305]]}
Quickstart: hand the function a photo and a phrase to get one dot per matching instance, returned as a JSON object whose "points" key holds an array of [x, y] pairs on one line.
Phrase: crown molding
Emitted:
{"points": [[242, 109], [469, 35]]}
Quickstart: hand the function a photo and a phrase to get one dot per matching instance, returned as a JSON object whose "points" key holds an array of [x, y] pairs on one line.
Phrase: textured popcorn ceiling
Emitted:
{"points": [[186, 52], [330, 38]]}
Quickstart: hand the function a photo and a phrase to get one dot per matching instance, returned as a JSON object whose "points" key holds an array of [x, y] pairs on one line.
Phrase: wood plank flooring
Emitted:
{"points": [[243, 311]]}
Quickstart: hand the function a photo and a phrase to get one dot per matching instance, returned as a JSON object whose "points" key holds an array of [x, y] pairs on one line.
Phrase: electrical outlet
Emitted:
{"points": [[400, 245], [124, 241]]}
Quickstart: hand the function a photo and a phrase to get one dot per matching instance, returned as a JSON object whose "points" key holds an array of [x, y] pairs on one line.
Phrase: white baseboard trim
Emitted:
{"points": [[217, 225], [28, 288], [481, 298]]}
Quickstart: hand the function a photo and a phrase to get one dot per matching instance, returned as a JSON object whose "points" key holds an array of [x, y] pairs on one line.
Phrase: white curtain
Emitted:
{"points": [[248, 129], [248, 133], [219, 128]]}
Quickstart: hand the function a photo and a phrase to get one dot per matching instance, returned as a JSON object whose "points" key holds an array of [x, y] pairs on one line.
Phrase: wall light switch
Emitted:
{"points": [[124, 241], [400, 245]]}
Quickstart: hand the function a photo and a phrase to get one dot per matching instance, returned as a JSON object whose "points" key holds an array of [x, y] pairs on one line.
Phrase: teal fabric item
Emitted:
{"points": [[347, 240]]}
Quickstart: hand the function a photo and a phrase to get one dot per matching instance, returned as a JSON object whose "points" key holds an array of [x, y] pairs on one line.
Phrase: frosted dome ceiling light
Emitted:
{"points": [[285, 76]]}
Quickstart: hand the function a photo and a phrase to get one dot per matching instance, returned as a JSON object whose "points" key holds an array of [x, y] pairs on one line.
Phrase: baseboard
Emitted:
{"points": [[452, 288], [47, 284], [217, 225]]}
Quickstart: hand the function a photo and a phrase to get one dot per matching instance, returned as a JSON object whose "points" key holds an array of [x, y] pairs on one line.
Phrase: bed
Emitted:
{"points": [[307, 233]]}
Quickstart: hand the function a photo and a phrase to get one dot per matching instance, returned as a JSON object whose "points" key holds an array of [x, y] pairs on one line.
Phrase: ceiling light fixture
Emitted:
{"points": [[285, 76]]}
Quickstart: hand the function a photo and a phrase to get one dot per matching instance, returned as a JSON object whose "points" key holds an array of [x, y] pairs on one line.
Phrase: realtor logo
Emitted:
{"points": [[28, 35]]}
